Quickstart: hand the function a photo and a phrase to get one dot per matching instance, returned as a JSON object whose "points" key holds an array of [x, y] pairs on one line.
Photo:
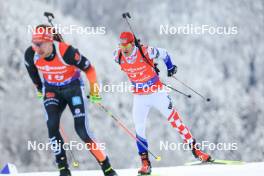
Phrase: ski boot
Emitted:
{"points": [[107, 168], [64, 168], [146, 165], [199, 154]]}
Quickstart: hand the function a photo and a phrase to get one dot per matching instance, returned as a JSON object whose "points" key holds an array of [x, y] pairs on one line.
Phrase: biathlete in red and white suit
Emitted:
{"points": [[149, 92]]}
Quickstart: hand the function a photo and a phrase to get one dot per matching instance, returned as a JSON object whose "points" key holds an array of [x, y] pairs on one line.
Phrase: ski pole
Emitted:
{"points": [[127, 15], [75, 163], [128, 131], [207, 99], [50, 16], [121, 124], [188, 96]]}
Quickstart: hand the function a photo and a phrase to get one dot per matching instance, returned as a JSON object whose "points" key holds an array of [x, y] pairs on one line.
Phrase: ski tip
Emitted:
{"points": [[158, 158], [223, 162], [233, 162]]}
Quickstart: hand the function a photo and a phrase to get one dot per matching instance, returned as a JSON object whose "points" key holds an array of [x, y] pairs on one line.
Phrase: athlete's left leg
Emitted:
{"points": [[163, 103], [77, 102]]}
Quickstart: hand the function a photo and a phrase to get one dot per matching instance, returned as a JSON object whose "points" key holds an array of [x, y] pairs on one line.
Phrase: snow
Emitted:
{"points": [[228, 69], [248, 169]]}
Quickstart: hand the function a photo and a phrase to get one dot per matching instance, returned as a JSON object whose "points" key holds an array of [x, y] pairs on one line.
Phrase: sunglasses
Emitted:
{"points": [[128, 46], [37, 44]]}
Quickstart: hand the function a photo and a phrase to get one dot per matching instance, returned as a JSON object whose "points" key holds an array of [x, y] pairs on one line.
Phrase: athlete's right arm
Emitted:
{"points": [[31, 68], [73, 57]]}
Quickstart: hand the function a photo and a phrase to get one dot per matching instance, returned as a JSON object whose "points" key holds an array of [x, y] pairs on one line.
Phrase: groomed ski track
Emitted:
{"points": [[247, 169]]}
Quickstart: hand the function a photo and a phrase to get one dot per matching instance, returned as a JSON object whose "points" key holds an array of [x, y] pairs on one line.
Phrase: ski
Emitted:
{"points": [[224, 162]]}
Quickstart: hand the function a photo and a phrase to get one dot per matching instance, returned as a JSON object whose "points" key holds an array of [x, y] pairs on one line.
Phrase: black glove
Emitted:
{"points": [[172, 71]]}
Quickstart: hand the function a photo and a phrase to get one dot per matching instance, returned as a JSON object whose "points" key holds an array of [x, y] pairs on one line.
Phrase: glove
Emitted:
{"points": [[94, 93], [172, 71], [95, 98], [39, 95]]}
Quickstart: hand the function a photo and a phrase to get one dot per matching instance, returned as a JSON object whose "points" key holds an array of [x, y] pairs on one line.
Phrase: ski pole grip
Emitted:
{"points": [[126, 14], [49, 14]]}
